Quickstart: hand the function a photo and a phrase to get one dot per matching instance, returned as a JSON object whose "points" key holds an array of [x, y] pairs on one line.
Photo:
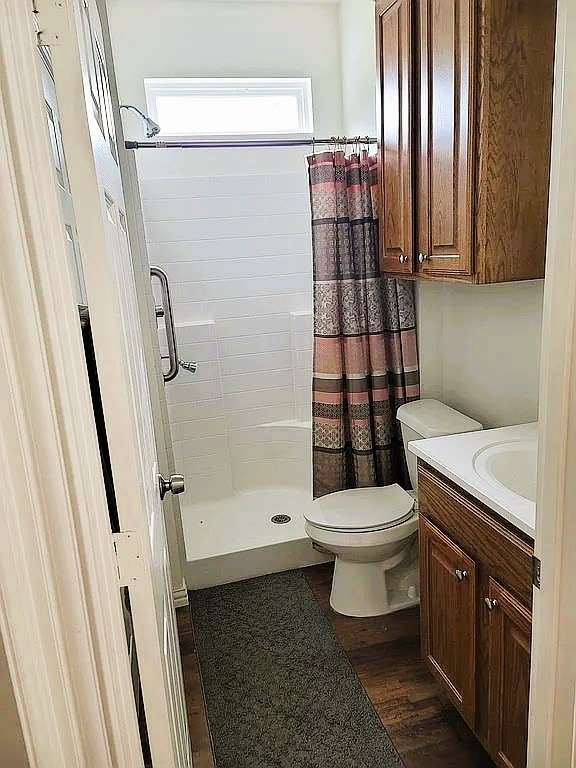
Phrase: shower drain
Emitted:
{"points": [[280, 519]]}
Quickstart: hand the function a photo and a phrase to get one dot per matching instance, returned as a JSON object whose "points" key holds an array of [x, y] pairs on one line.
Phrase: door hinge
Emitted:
{"points": [[128, 557], [536, 571], [52, 20]]}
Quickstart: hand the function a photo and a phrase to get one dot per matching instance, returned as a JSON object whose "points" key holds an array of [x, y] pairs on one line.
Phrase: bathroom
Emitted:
{"points": [[336, 606], [231, 228]]}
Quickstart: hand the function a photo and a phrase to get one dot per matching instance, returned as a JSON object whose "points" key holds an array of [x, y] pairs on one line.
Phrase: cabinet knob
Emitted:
{"points": [[402, 258], [491, 603], [422, 257], [461, 575]]}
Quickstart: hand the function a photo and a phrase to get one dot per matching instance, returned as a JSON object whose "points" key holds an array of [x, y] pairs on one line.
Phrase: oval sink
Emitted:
{"points": [[510, 466]]}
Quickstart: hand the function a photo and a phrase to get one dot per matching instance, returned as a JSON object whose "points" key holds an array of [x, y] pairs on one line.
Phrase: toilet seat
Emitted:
{"points": [[360, 510]]}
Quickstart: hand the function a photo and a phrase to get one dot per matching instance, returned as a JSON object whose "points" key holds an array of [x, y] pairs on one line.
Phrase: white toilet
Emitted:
{"points": [[373, 531]]}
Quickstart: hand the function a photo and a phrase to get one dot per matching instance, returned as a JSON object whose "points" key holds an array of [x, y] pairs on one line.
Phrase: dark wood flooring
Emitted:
{"points": [[385, 652]]}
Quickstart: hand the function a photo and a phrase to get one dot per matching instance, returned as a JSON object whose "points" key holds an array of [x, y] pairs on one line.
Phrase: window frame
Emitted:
{"points": [[215, 86]]}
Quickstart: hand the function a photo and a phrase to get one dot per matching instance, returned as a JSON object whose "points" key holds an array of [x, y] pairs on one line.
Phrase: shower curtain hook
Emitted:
{"points": [[313, 146]]}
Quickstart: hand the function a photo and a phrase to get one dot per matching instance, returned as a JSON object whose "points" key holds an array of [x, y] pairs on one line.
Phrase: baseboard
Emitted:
{"points": [[180, 597]]}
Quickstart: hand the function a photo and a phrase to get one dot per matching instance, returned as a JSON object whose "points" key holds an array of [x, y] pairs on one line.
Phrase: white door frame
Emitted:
{"points": [[552, 701], [60, 610], [60, 614]]}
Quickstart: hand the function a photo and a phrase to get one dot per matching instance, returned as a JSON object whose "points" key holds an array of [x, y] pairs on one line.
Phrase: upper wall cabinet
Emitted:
{"points": [[465, 126]]}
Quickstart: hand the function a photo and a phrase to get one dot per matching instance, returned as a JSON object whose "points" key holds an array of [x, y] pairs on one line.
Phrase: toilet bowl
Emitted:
{"points": [[370, 531], [373, 531]]}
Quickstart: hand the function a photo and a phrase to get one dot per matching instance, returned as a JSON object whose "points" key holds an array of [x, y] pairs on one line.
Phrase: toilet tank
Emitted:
{"points": [[430, 418]]}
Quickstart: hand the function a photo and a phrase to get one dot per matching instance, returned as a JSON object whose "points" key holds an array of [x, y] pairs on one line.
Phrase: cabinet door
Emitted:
{"points": [[445, 147], [448, 615], [394, 40], [509, 676]]}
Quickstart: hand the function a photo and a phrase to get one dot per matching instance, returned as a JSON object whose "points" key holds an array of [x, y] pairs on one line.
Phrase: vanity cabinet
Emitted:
{"points": [[465, 92], [448, 610], [476, 600]]}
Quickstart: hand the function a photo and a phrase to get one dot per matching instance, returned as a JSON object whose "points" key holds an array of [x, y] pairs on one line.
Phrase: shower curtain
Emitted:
{"points": [[365, 357]]}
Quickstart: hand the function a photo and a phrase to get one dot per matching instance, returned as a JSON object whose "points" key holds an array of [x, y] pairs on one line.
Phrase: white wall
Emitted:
{"points": [[479, 348], [212, 38], [232, 230], [358, 56]]}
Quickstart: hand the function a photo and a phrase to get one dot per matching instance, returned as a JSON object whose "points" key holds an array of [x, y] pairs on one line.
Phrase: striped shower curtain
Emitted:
{"points": [[365, 358]]}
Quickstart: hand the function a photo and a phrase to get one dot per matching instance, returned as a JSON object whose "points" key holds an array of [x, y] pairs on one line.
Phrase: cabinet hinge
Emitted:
{"points": [[51, 20], [536, 571], [128, 557]]}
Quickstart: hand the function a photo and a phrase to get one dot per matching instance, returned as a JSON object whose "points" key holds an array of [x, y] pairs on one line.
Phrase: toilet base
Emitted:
{"points": [[367, 589]]}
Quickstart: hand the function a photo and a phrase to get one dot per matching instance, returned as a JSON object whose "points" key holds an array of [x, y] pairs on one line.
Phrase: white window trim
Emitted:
{"points": [[300, 86]]}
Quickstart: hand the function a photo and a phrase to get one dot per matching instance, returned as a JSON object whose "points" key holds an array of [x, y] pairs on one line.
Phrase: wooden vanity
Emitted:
{"points": [[476, 603]]}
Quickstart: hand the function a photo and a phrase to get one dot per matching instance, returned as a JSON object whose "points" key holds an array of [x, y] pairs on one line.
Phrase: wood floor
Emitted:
{"points": [[385, 652]]}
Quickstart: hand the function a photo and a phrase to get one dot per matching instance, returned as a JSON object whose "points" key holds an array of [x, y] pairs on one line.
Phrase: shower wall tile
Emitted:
{"points": [[196, 332], [225, 228], [206, 207], [266, 361], [203, 446], [252, 326], [266, 451], [242, 401], [231, 249], [282, 433], [246, 345], [239, 288], [194, 411], [203, 270], [232, 230], [198, 428], [250, 382], [202, 465], [254, 416], [177, 394], [196, 186]]}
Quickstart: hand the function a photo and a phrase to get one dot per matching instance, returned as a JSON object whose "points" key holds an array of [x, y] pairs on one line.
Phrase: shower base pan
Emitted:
{"points": [[235, 538]]}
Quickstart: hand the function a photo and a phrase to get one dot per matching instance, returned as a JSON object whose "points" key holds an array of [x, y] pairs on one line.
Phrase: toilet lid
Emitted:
{"points": [[362, 509]]}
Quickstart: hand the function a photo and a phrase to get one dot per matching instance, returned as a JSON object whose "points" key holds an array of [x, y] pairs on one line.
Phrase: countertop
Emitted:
{"points": [[453, 457]]}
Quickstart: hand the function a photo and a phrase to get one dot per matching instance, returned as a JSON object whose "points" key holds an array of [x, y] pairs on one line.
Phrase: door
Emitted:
{"points": [[67, 205], [448, 615], [91, 152], [509, 676], [394, 45], [445, 144]]}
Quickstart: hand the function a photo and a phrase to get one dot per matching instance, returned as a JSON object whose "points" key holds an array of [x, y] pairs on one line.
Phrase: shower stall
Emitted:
{"points": [[231, 229]]}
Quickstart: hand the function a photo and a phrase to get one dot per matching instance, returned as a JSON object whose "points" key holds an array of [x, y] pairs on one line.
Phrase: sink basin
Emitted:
{"points": [[510, 466]]}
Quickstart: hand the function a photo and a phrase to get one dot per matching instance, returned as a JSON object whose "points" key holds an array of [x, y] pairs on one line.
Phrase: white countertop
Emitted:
{"points": [[453, 456]]}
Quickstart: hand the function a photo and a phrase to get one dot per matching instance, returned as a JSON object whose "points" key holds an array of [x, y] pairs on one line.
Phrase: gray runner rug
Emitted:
{"points": [[280, 691]]}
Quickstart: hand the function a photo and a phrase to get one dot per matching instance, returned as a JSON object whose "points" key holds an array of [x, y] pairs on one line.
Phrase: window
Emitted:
{"points": [[217, 107]]}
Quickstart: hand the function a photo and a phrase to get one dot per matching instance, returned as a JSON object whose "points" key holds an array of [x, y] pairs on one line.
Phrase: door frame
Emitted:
{"points": [[60, 610], [60, 613], [552, 732]]}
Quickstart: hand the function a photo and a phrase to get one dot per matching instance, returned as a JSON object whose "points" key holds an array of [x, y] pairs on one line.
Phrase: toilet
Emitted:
{"points": [[373, 531]]}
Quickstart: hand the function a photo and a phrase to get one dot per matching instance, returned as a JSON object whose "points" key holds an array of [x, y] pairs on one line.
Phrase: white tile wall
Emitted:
{"points": [[236, 245]]}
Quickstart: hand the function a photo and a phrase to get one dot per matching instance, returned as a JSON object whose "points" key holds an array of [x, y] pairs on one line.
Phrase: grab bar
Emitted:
{"points": [[162, 277]]}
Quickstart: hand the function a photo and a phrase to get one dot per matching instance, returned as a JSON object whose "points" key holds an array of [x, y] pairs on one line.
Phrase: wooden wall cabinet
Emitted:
{"points": [[476, 598], [465, 111]]}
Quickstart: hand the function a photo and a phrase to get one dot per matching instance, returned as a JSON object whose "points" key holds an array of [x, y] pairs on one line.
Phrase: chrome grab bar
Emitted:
{"points": [[162, 277]]}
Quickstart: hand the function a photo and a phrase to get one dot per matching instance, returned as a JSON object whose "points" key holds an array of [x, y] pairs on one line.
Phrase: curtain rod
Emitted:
{"points": [[263, 143]]}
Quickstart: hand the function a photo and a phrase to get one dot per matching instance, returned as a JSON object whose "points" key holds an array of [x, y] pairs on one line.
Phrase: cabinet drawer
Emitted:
{"points": [[503, 553]]}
